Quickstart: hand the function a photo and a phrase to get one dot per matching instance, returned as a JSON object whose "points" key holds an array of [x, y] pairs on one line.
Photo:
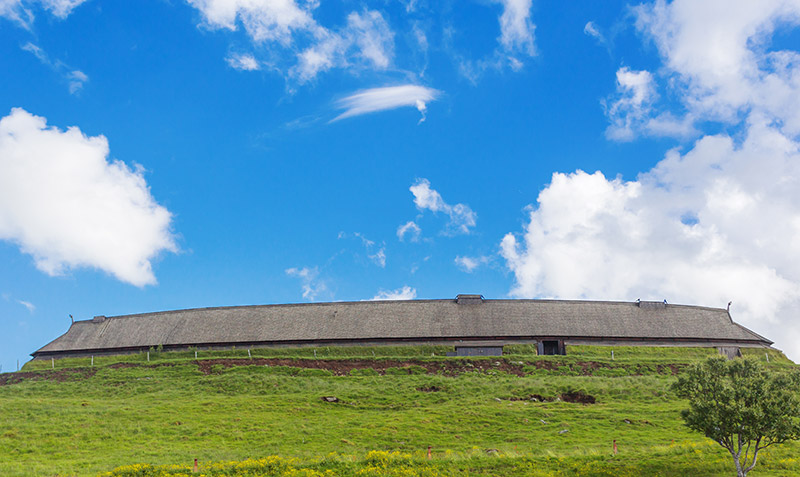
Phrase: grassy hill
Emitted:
{"points": [[362, 411]]}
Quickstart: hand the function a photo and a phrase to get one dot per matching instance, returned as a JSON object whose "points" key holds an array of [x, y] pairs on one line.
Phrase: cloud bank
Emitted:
{"points": [[64, 203], [717, 222]]}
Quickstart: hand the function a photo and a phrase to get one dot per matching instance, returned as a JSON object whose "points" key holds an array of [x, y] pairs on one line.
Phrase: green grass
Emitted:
{"points": [[168, 412]]}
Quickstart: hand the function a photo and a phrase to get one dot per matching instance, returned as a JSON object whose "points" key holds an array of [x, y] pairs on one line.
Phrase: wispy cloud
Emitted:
{"points": [[20, 11], [469, 264], [311, 283], [516, 41], [389, 97], [243, 62], [405, 293], [591, 29], [461, 216], [378, 257], [410, 229], [516, 28], [299, 46], [30, 306], [75, 78]]}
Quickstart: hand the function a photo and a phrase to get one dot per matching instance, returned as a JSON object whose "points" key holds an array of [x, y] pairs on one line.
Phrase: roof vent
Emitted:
{"points": [[99, 319], [651, 305], [469, 299]]}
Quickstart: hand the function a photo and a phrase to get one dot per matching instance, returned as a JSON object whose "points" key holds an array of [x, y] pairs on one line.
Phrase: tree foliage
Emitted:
{"points": [[742, 406]]}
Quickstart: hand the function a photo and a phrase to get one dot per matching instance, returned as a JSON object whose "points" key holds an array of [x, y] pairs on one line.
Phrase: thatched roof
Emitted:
{"points": [[416, 320]]}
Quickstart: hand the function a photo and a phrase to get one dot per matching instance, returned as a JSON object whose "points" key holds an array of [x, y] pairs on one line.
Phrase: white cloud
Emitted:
{"points": [[365, 42], [389, 97], [405, 293], [591, 29], [311, 283], [420, 37], [411, 229], [75, 78], [461, 216], [300, 46], [469, 264], [515, 41], [263, 20], [28, 305], [243, 62], [516, 28], [373, 37], [20, 10], [378, 257], [718, 59], [65, 204], [720, 222], [632, 108], [410, 5]]}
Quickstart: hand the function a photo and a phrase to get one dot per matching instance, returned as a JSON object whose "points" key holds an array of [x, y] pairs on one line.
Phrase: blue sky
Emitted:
{"points": [[161, 155]]}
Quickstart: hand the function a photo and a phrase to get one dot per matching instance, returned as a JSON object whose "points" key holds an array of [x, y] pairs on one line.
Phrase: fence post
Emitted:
{"points": [[195, 354], [248, 353], [92, 360], [148, 356], [53, 362]]}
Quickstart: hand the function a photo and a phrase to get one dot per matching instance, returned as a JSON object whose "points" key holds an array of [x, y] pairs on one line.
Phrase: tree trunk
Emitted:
{"points": [[740, 472]]}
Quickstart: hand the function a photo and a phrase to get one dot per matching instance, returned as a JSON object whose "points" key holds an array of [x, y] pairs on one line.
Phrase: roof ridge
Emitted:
{"points": [[379, 302]]}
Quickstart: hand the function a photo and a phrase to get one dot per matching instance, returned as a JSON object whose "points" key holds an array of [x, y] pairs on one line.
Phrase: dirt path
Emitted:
{"points": [[342, 367]]}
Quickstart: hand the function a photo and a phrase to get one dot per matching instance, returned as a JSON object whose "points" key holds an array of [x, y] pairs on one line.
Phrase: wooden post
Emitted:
{"points": [[195, 354], [53, 362], [148, 356], [248, 353], [17, 365], [315, 354], [612, 355], [92, 360]]}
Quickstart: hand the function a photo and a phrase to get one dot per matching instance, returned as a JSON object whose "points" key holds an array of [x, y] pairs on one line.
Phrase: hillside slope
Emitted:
{"points": [[327, 408]]}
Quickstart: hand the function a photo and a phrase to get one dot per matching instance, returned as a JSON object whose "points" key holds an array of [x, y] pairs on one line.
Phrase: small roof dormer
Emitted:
{"points": [[463, 299]]}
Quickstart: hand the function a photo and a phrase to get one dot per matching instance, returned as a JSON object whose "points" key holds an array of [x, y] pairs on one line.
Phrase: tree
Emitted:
{"points": [[742, 406]]}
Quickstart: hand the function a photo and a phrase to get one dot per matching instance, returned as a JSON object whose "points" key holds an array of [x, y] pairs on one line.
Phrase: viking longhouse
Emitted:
{"points": [[471, 324]]}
